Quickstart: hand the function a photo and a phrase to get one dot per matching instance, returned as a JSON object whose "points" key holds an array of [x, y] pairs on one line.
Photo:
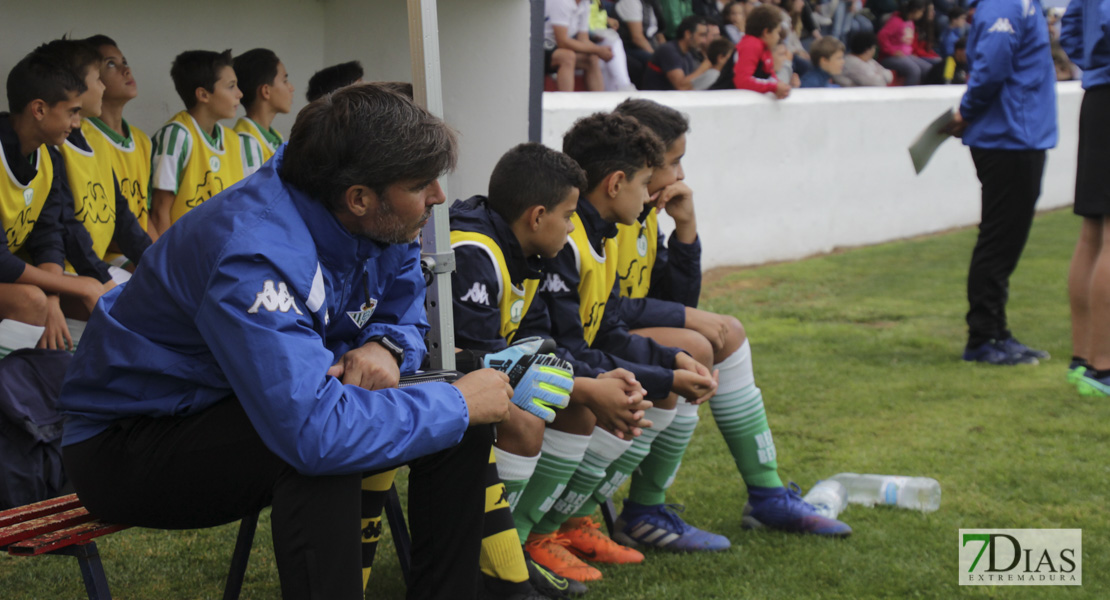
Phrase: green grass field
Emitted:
{"points": [[857, 354]]}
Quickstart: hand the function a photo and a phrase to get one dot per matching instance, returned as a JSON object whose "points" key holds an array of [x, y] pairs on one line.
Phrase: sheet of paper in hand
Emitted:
{"points": [[927, 142]]}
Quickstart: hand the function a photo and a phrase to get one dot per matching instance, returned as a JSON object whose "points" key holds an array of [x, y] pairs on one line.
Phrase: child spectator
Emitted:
{"points": [[952, 69], [956, 29], [603, 31], [678, 63], [719, 52], [130, 147], [925, 41], [44, 98], [332, 78], [828, 61], [783, 61], [266, 93], [896, 40], [754, 67], [860, 67], [735, 16], [567, 45], [195, 157]]}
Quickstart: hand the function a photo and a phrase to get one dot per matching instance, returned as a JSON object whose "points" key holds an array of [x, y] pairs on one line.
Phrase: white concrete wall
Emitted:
{"points": [[823, 169], [150, 33]]}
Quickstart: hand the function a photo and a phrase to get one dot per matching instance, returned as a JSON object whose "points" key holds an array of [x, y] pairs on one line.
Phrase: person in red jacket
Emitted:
{"points": [[754, 68]]}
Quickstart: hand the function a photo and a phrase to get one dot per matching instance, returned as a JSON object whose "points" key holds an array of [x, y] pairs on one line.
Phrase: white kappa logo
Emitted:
{"points": [[1002, 25], [477, 294], [362, 316], [554, 284], [274, 299], [28, 196], [214, 163]]}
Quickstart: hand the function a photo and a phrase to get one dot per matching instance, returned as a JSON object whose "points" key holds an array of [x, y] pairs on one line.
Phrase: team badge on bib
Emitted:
{"points": [[214, 163], [642, 244], [28, 196], [362, 316], [516, 310]]}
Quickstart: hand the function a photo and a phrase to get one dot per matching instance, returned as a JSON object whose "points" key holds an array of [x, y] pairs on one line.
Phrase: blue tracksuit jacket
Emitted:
{"points": [[255, 294], [1085, 36], [1010, 103]]}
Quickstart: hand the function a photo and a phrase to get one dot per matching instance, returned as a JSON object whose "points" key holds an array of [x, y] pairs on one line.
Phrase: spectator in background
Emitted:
{"points": [[1065, 70], [567, 45], [956, 29], [603, 31], [754, 65], [734, 16], [925, 39], [953, 69], [674, 11], [718, 53], [783, 61], [641, 30], [828, 60], [332, 78], [896, 40], [860, 67], [678, 63]]}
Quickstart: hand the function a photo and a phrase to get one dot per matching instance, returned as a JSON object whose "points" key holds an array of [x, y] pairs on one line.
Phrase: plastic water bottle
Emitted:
{"points": [[917, 493], [829, 497]]}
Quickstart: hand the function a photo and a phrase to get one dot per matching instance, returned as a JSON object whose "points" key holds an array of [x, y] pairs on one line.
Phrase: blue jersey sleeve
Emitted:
{"points": [[276, 364], [995, 37]]}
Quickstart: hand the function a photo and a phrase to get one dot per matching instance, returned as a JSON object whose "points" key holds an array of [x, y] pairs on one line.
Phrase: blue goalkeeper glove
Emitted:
{"points": [[541, 382]]}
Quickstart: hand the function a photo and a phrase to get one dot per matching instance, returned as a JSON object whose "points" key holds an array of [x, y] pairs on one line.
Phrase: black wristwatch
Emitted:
{"points": [[394, 348]]}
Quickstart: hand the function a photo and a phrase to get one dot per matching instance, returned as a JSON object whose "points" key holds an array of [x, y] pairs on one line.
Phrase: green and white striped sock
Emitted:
{"points": [[738, 410], [623, 467], [577, 500], [560, 457], [658, 470]]}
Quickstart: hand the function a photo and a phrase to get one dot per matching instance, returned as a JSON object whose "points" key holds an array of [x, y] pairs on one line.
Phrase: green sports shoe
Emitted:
{"points": [[1076, 370]]}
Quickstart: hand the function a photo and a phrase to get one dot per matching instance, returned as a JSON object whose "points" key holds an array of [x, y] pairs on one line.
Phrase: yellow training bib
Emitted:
{"points": [[20, 205], [513, 301], [93, 188], [131, 164], [636, 248], [249, 127], [209, 170], [596, 277]]}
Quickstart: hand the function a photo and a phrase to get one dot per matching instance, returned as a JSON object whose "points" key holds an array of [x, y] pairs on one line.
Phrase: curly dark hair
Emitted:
{"points": [[604, 143]]}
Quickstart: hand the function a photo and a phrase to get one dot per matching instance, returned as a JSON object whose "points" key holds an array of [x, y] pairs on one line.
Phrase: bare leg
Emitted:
{"points": [[1098, 340], [23, 303], [1087, 251]]}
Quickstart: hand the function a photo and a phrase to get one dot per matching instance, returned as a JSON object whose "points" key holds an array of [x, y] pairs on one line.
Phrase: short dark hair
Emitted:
{"points": [[98, 40], [364, 135], [907, 7], [332, 78], [718, 48], [861, 42], [40, 76], [762, 18], [604, 143], [77, 55], [961, 44], [690, 24], [530, 175], [824, 48], [664, 121], [193, 69], [956, 13], [254, 69]]}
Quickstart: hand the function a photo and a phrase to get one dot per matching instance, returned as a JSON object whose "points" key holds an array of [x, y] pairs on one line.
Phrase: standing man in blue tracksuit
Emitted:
{"points": [[253, 360], [1008, 118], [1085, 38]]}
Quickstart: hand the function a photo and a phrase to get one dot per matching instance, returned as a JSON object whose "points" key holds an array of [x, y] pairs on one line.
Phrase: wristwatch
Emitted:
{"points": [[394, 348]]}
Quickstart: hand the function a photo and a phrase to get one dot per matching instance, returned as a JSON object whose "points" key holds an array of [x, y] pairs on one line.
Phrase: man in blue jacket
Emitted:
{"points": [[253, 360], [1008, 118], [1084, 38]]}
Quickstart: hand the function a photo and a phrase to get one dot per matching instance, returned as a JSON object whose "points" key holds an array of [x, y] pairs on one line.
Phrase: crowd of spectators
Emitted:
{"points": [[698, 44]]}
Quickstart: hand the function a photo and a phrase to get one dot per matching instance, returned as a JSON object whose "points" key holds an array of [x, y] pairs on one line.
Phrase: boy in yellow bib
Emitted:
{"points": [[95, 212], [266, 93], [128, 145], [44, 96], [194, 157]]}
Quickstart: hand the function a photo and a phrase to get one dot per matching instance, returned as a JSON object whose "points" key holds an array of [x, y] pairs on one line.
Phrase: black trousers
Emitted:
{"points": [[1011, 182], [212, 468]]}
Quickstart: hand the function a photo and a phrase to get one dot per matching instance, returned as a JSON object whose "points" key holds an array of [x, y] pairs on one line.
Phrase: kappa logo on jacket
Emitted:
{"points": [[554, 284], [1002, 25], [477, 294], [273, 299]]}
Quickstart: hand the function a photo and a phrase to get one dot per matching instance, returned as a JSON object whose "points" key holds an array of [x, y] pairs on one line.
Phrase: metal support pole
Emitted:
{"points": [[535, 73], [427, 87]]}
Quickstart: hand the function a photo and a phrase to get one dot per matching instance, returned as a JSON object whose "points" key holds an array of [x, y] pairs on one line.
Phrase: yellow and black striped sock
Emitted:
{"points": [[374, 488], [502, 557]]}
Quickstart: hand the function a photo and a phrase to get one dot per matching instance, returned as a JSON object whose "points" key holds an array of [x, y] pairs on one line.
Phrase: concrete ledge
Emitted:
{"points": [[824, 168]]}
